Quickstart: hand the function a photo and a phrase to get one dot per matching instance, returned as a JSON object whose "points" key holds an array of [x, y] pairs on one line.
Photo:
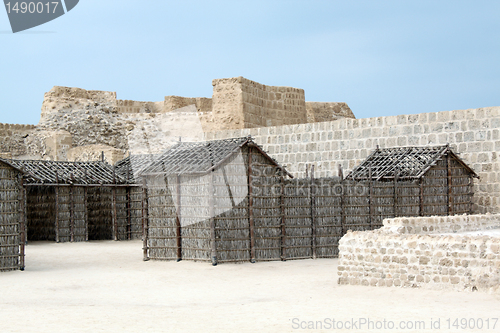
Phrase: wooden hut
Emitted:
{"points": [[12, 227], [214, 201], [416, 181], [75, 201]]}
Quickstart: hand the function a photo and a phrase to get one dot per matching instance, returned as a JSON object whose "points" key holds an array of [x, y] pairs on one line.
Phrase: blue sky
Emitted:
{"points": [[381, 57]]}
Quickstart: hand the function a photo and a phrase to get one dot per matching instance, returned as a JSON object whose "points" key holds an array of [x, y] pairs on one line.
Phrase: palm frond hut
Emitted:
{"points": [[74, 201], [416, 181], [12, 223], [129, 168], [213, 201]]}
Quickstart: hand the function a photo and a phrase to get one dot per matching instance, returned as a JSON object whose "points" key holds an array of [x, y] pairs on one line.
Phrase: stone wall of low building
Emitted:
{"points": [[387, 257]]}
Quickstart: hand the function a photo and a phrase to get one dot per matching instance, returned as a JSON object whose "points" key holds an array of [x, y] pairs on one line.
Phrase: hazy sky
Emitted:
{"points": [[380, 57]]}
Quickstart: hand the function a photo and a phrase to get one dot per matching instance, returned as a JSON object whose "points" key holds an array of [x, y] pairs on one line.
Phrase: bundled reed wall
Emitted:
{"points": [[100, 213], [232, 232], [327, 210], [135, 194], [122, 213], [11, 219], [161, 230], [71, 224], [41, 213], [253, 214], [266, 207]]}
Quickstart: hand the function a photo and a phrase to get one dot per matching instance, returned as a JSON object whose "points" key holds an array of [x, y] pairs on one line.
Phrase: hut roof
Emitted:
{"points": [[56, 172], [132, 165], [201, 157], [406, 162]]}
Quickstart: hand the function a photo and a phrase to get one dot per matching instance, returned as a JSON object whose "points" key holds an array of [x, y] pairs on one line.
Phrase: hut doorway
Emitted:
{"points": [[41, 213], [100, 220]]}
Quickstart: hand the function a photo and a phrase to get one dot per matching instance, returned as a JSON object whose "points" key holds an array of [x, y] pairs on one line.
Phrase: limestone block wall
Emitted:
{"points": [[12, 137], [176, 102], [388, 258], [327, 111], [128, 106], [473, 133], [443, 224], [242, 103], [94, 153]]}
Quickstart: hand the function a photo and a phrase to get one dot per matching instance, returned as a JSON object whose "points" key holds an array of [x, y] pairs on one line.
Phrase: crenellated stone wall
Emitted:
{"points": [[327, 111], [425, 252], [12, 139]]}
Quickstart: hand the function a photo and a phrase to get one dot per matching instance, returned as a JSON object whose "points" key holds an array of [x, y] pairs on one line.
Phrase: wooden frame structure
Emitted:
{"points": [[77, 201], [281, 219], [12, 218]]}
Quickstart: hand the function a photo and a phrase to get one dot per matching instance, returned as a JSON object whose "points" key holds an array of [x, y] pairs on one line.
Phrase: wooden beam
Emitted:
{"points": [[250, 207], [71, 214], [421, 195], [129, 213], [86, 213], [57, 213], [283, 226], [211, 210], [145, 221], [22, 223], [313, 219], [396, 194], [370, 197], [178, 230], [342, 202], [114, 215], [448, 184]]}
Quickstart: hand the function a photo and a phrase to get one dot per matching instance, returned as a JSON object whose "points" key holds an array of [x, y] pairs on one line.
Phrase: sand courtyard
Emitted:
{"points": [[105, 286]]}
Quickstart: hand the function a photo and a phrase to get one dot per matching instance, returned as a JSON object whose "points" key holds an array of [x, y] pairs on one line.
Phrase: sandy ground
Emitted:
{"points": [[106, 287]]}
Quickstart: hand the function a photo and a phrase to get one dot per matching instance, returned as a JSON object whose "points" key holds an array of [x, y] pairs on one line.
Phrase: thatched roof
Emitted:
{"points": [[406, 162], [55, 172], [201, 157]]}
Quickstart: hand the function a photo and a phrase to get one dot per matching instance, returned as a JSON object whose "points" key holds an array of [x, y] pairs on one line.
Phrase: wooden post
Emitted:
{"points": [[250, 207], [86, 213], [71, 214], [57, 208], [211, 210], [313, 220], [342, 203], [22, 223], [421, 184], [129, 206], [145, 221], [86, 210], [114, 215], [370, 196], [178, 220], [129, 213], [471, 194], [396, 193], [449, 185], [283, 228]]}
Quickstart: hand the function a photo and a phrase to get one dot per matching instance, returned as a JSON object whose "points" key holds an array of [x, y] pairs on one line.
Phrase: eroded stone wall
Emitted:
{"points": [[388, 257], [12, 139], [328, 111]]}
